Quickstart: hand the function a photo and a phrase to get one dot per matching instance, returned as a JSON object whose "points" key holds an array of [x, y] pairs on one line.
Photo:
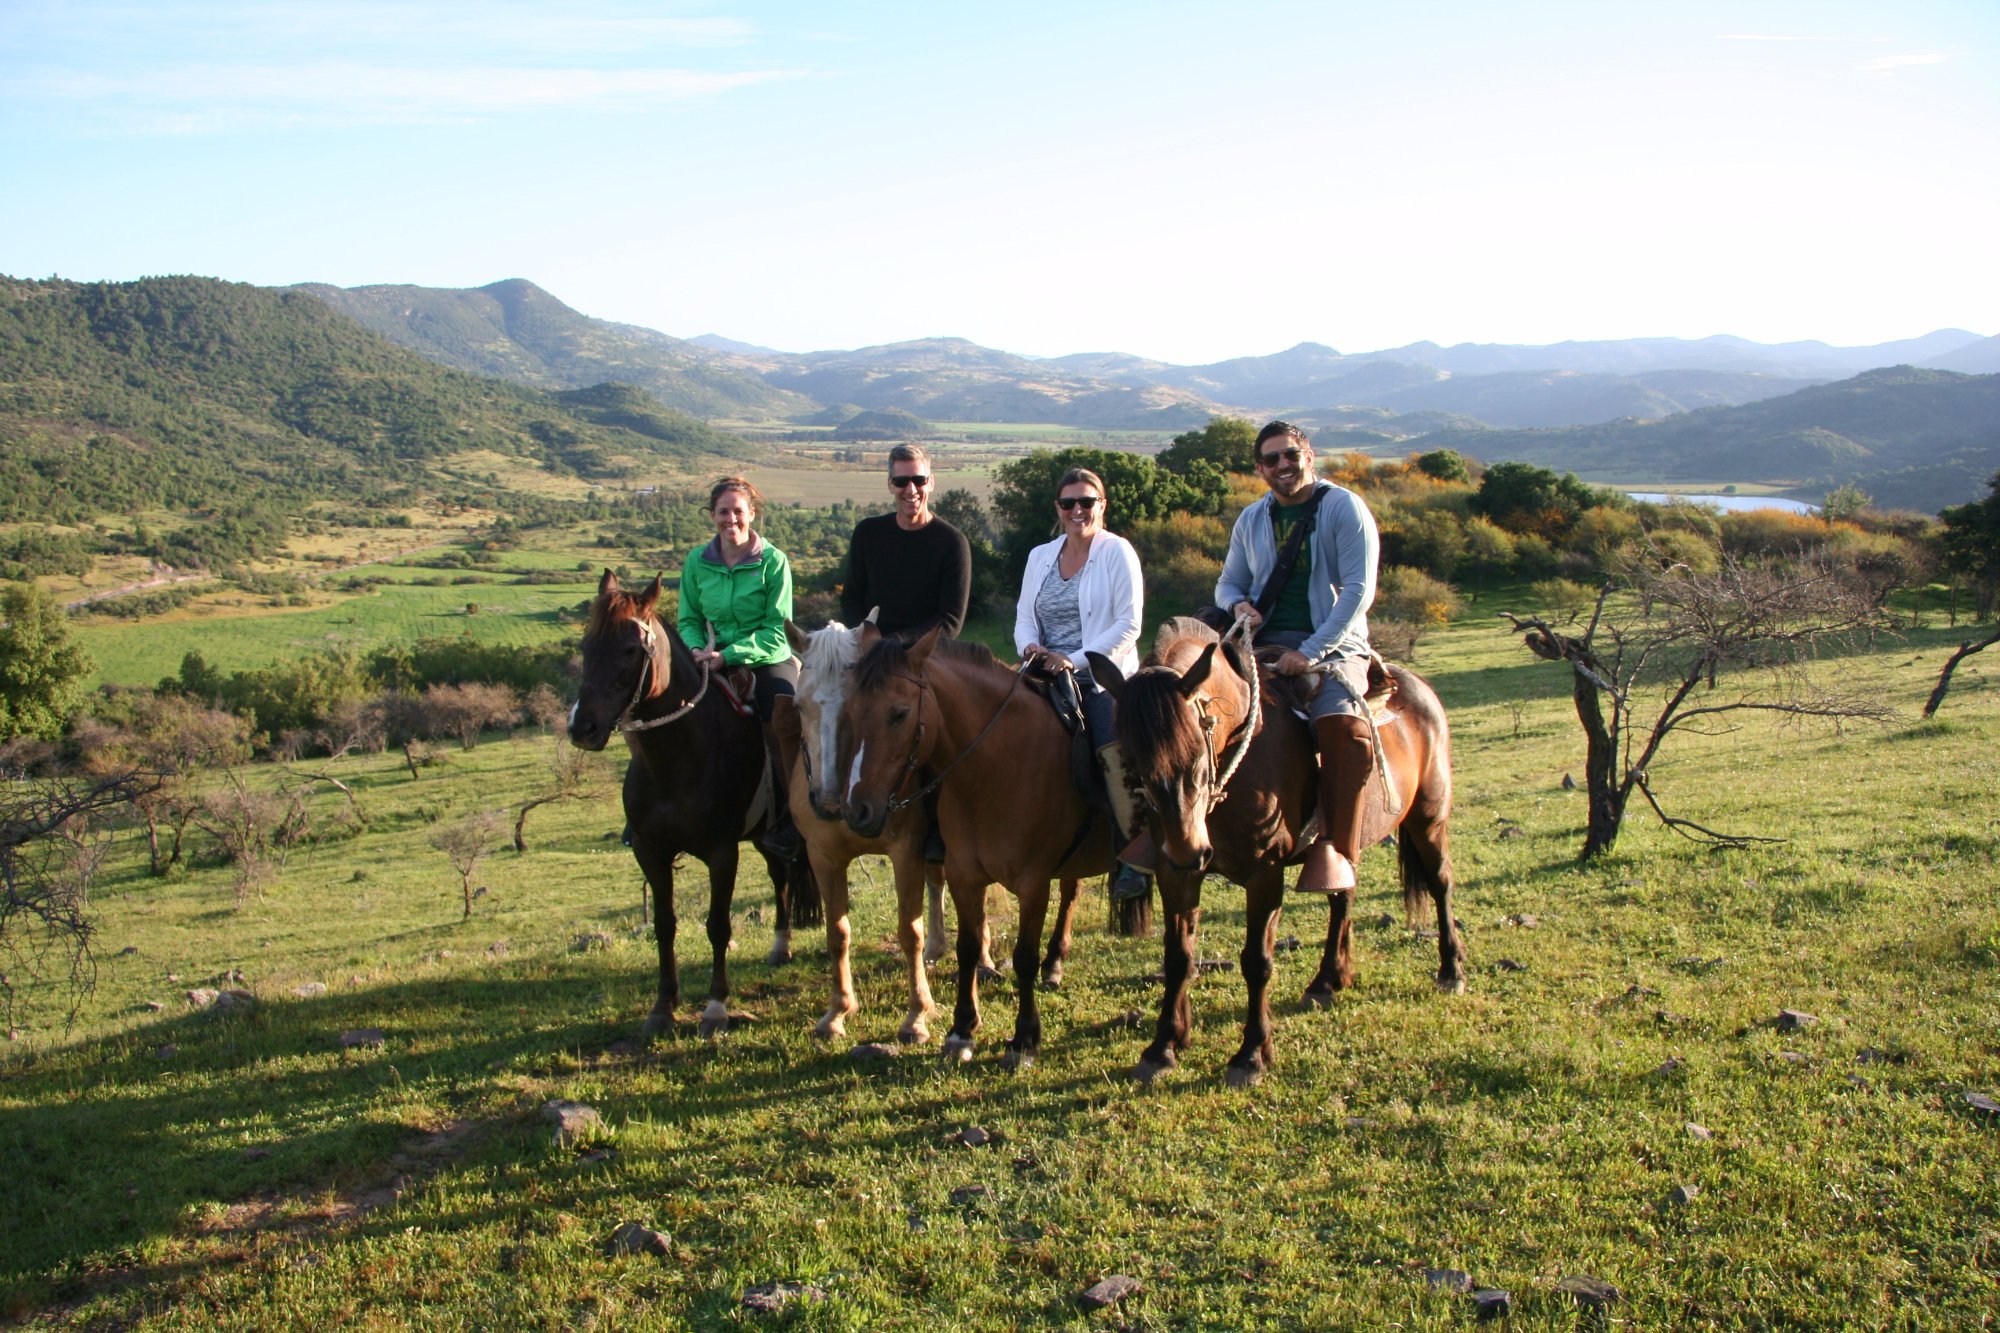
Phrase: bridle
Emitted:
{"points": [[897, 803], [649, 640]]}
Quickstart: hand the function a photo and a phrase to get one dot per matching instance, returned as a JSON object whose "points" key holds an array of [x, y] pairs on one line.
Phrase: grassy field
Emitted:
{"points": [[177, 1170]]}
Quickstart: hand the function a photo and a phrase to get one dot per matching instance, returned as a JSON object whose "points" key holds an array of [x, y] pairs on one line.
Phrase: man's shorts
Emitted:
{"points": [[1341, 688]]}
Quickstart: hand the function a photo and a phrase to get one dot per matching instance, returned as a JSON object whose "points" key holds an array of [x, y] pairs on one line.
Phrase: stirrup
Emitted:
{"points": [[782, 841], [1335, 869], [1129, 884]]}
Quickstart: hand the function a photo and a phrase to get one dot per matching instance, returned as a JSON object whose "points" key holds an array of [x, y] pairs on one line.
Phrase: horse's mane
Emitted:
{"points": [[1155, 725], [829, 651], [609, 608], [891, 657]]}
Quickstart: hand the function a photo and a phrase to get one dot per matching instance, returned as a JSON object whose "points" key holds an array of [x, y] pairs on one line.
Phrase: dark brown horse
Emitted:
{"points": [[697, 782], [1006, 806], [1182, 721]]}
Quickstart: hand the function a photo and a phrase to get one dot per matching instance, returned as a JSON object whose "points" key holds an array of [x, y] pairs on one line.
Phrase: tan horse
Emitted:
{"points": [[1184, 721], [1009, 812], [807, 733]]}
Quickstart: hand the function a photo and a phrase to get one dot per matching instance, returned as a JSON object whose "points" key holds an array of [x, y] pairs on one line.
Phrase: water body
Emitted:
{"points": [[1733, 503]]}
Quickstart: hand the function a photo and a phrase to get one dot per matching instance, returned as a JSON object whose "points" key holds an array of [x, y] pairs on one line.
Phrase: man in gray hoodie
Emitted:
{"points": [[1319, 615]]}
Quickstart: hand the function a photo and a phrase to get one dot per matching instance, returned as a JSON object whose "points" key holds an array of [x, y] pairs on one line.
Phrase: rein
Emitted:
{"points": [[917, 743], [648, 637]]}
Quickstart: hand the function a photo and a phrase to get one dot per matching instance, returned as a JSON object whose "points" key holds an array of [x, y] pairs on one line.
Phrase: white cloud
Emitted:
{"points": [[1890, 64]]}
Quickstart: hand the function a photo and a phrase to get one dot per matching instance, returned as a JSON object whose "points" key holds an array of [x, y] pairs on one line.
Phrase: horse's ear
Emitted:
{"points": [[1239, 661], [866, 636], [796, 637], [1197, 675], [920, 651], [1106, 673], [608, 584], [648, 599], [873, 612]]}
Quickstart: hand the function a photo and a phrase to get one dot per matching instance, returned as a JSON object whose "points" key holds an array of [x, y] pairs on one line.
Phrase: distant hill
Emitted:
{"points": [[1632, 356], [715, 342], [883, 424], [199, 395], [1911, 437], [514, 330], [1980, 358]]}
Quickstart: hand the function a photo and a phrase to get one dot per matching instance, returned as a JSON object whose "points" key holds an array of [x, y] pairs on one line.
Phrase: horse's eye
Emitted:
{"points": [[899, 714]]}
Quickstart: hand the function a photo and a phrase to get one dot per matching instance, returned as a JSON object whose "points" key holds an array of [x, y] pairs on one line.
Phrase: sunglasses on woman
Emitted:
{"points": [[917, 479], [1072, 501]]}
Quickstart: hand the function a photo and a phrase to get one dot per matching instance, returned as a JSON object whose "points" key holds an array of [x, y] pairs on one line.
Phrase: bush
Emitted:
{"points": [[1417, 598]]}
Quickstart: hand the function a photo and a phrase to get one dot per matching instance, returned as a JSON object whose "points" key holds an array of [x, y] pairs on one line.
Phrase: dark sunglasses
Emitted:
{"points": [[919, 480], [1292, 455], [1072, 501]]}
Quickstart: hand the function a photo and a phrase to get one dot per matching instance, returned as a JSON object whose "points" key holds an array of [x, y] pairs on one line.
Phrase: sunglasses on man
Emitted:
{"points": [[1291, 455], [1072, 501], [917, 479]]}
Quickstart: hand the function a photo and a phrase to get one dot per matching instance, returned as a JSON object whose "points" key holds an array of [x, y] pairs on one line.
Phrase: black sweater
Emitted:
{"points": [[919, 579]]}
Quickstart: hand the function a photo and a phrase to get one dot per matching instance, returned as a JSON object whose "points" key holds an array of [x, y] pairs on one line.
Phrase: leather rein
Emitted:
{"points": [[649, 639], [897, 803]]}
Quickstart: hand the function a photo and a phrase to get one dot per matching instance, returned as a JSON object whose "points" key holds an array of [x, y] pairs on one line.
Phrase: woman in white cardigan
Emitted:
{"points": [[1082, 593]]}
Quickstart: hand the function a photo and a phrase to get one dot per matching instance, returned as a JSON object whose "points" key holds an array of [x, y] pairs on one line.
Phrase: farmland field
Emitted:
{"points": [[1613, 1098]]}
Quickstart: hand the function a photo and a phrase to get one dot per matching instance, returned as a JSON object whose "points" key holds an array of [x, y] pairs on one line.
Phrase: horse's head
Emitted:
{"points": [[625, 652], [882, 737], [1174, 717], [827, 657]]}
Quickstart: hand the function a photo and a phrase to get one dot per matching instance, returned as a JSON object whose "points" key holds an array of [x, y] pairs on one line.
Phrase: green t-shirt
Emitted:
{"points": [[1293, 609]]}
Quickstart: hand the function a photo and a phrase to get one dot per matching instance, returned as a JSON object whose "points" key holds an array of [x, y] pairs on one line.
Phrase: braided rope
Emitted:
{"points": [[652, 657]]}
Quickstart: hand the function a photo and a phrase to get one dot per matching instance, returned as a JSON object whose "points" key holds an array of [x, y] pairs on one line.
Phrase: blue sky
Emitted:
{"points": [[1189, 182]]}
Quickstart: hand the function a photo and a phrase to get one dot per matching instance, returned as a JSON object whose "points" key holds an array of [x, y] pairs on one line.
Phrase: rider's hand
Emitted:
{"points": [[1248, 612], [1056, 661], [1293, 663], [708, 658]]}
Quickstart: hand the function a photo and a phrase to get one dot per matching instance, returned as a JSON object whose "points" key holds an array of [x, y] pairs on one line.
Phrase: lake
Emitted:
{"points": [[1730, 502]]}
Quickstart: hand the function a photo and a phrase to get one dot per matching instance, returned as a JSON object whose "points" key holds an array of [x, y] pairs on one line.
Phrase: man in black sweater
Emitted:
{"points": [[911, 564]]}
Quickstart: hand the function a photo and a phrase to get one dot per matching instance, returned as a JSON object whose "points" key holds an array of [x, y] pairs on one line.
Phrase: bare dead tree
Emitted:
{"points": [[572, 770], [1965, 650], [252, 829], [50, 834], [465, 842], [1669, 650]]}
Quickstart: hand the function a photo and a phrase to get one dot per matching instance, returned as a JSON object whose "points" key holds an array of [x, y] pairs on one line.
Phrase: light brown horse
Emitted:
{"points": [[1182, 721], [1009, 813]]}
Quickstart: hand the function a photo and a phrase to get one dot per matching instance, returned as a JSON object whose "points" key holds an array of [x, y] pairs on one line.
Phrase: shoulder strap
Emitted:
{"points": [[1288, 558]]}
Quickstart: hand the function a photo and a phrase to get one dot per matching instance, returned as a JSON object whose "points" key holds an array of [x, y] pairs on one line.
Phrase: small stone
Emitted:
{"points": [[235, 1002], [1025, 1162], [166, 1052], [497, 949], [966, 1194], [1569, 783], [1449, 1279], [1289, 944], [772, 1297], [1701, 1132], [1492, 1303], [1510, 965], [1108, 1292], [1513, 831], [1525, 920], [1680, 1196], [360, 1037], [1795, 1057], [972, 1137], [574, 1121], [1360, 1123], [1386, 921], [1132, 1018], [310, 990], [1667, 1018], [255, 1154], [596, 1155], [1791, 1020], [1979, 1101], [1593, 1292], [154, 1006], [1637, 992], [1214, 965], [631, 1238], [202, 997], [593, 942], [173, 978], [128, 951], [871, 1052], [755, 916], [1868, 1055], [1672, 1065]]}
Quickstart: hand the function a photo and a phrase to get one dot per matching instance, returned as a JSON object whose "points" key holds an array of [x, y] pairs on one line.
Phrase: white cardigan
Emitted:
{"points": [[1110, 599]]}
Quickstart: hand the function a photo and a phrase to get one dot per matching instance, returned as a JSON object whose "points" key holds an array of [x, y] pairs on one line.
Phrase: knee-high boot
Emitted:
{"points": [[781, 835], [1346, 759], [1134, 878]]}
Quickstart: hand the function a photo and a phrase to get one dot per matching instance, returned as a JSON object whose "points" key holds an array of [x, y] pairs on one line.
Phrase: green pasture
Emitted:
{"points": [[175, 1169]]}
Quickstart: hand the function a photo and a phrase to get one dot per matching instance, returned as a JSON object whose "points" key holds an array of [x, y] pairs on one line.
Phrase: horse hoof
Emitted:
{"points": [[658, 1023], [781, 952], [958, 1049], [1052, 978], [714, 1020], [913, 1034], [988, 972], [1015, 1061], [1451, 985], [1319, 999], [1242, 1076], [1148, 1072], [830, 1027]]}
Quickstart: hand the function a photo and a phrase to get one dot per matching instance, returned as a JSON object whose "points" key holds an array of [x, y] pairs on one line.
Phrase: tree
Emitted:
{"points": [[1023, 504], [1528, 499], [1843, 502], [41, 671], [961, 508], [466, 710], [465, 843], [1228, 443], [1971, 541], [572, 771], [1653, 657], [1444, 465]]}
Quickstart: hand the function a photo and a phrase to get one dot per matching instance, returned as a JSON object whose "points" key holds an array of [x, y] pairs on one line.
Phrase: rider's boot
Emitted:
{"points": [[1135, 863], [1346, 758], [781, 836]]}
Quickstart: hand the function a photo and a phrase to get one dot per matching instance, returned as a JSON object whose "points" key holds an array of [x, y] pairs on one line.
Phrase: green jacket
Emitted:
{"points": [[748, 604]]}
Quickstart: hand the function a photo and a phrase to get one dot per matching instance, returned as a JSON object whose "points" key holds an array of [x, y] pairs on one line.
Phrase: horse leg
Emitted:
{"points": [[1052, 961], [910, 873], [658, 869], [1424, 849], [936, 934], [1262, 905], [1182, 910], [832, 879], [1336, 961], [968, 900], [721, 890], [1027, 1041], [784, 888]]}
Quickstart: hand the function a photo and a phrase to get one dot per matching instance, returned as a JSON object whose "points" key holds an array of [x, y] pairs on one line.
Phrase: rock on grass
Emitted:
{"points": [[574, 1121], [1108, 1292], [772, 1297], [632, 1238], [1492, 1303], [362, 1038], [1449, 1279], [1792, 1020], [1593, 1292]]}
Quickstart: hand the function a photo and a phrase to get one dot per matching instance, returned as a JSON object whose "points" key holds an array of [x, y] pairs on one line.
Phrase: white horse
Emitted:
{"points": [[817, 795]]}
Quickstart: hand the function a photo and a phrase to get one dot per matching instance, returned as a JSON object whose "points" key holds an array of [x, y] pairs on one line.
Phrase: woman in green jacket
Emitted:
{"points": [[741, 585]]}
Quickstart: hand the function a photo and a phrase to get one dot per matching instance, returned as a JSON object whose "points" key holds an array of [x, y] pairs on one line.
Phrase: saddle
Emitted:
{"points": [[1298, 692], [1060, 689], [739, 687]]}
